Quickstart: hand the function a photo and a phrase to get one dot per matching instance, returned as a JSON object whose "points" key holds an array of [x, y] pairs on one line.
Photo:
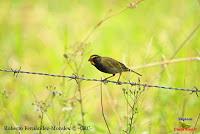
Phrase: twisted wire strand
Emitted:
{"points": [[16, 72]]}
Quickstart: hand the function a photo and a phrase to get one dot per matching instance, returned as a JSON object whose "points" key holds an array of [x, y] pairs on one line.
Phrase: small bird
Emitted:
{"points": [[109, 65]]}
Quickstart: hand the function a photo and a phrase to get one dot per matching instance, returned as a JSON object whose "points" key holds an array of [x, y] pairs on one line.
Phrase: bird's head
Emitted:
{"points": [[94, 58]]}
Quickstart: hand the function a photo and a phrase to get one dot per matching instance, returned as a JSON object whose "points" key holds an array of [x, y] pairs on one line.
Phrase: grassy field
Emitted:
{"points": [[58, 37]]}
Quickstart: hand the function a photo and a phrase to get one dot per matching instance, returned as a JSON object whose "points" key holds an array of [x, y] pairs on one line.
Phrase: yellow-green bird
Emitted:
{"points": [[109, 65]]}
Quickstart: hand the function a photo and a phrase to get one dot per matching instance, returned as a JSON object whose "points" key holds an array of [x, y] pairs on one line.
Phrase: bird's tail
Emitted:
{"points": [[135, 72]]}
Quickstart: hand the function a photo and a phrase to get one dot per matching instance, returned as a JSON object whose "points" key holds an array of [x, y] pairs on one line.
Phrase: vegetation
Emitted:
{"points": [[159, 39]]}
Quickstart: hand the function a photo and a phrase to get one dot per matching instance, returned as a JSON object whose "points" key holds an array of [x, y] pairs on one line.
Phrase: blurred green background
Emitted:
{"points": [[35, 35]]}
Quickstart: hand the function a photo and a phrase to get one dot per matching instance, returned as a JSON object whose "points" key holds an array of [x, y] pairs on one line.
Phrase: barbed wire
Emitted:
{"points": [[75, 77]]}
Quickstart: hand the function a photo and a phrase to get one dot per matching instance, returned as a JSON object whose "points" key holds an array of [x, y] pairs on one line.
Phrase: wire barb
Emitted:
{"points": [[196, 91], [76, 77], [16, 71]]}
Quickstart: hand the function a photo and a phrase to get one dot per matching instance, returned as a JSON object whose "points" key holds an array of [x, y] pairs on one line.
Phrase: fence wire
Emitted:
{"points": [[75, 77]]}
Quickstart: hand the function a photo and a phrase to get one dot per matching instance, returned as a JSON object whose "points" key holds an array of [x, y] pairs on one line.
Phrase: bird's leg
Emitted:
{"points": [[109, 77], [119, 78]]}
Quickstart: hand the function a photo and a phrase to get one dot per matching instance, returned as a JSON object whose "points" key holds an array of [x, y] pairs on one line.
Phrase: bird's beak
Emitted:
{"points": [[90, 60]]}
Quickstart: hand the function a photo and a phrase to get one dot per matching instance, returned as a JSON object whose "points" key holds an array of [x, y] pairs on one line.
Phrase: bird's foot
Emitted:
{"points": [[104, 81], [119, 82]]}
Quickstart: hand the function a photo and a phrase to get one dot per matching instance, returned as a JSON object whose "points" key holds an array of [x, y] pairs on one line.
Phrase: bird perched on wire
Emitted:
{"points": [[109, 65]]}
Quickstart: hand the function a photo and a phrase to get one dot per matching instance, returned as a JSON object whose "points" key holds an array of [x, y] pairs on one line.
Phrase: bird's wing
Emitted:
{"points": [[108, 62], [123, 67], [113, 64]]}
